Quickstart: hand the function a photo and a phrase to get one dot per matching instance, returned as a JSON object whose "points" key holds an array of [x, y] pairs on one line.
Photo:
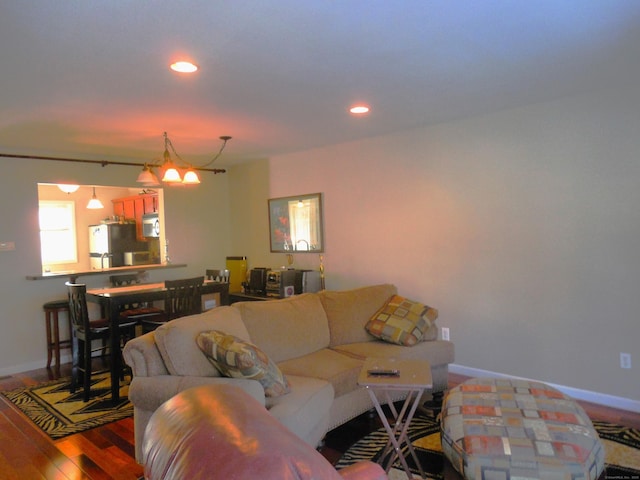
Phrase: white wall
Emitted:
{"points": [[521, 227], [196, 221]]}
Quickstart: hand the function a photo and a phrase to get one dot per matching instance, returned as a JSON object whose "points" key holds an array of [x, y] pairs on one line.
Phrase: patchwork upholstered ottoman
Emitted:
{"points": [[500, 429]]}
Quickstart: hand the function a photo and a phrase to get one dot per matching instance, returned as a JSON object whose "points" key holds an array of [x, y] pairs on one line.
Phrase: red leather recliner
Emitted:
{"points": [[221, 432]]}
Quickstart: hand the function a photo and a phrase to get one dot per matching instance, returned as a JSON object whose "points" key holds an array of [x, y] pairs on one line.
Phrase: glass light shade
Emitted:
{"points": [[68, 188], [191, 177], [171, 175], [94, 203], [148, 178]]}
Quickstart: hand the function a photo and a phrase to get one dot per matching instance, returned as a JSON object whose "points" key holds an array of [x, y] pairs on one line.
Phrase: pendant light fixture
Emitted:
{"points": [[68, 188], [171, 174], [94, 203], [171, 170]]}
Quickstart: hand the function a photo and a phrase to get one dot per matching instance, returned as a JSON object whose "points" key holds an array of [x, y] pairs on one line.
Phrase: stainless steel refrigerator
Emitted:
{"points": [[108, 242]]}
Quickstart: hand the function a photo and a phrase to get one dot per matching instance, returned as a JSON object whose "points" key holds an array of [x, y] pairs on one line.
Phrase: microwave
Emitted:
{"points": [[150, 225], [137, 258]]}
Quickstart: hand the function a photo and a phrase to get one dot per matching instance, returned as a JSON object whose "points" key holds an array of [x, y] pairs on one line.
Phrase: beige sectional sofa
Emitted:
{"points": [[318, 340]]}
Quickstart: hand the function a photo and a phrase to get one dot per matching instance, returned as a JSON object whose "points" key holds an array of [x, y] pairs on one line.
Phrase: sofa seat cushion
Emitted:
{"points": [[176, 340], [336, 368], [286, 328], [239, 359], [349, 311], [437, 352], [305, 409]]}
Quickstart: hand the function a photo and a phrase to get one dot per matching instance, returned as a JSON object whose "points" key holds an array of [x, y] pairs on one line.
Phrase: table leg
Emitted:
{"points": [[396, 440], [403, 420], [407, 421], [114, 342]]}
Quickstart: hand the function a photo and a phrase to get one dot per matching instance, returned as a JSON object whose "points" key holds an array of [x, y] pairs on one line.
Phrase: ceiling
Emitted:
{"points": [[90, 79]]}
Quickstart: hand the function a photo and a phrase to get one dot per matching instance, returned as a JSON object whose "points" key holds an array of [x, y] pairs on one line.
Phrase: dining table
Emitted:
{"points": [[111, 299]]}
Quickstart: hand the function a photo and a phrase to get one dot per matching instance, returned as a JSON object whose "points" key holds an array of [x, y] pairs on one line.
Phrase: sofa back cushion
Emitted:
{"points": [[176, 340], [349, 311], [286, 328]]}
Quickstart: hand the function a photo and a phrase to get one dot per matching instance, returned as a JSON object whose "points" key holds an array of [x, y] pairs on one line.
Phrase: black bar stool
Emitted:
{"points": [[54, 344]]}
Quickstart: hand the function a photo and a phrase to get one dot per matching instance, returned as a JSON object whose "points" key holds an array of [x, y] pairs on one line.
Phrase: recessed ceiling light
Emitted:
{"points": [[359, 109], [184, 67]]}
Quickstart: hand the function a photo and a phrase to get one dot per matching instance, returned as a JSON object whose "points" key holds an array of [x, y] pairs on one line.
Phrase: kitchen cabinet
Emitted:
{"points": [[150, 203], [134, 207]]}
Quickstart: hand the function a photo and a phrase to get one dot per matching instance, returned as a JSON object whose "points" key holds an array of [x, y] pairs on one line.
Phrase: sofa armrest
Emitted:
{"points": [[148, 393], [143, 356]]}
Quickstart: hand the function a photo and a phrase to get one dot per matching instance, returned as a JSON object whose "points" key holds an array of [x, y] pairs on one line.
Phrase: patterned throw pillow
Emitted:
{"points": [[239, 359], [402, 321]]}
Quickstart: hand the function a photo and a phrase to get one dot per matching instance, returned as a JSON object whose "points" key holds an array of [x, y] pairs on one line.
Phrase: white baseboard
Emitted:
{"points": [[27, 367], [621, 403]]}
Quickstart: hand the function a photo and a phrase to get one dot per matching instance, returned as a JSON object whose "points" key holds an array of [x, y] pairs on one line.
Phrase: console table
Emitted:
{"points": [[248, 297]]}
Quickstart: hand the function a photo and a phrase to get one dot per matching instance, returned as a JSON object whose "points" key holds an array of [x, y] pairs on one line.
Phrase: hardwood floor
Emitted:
{"points": [[108, 453], [27, 453]]}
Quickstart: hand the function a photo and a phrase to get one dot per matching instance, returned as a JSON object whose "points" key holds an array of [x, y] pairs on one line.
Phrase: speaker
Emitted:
{"points": [[258, 280], [287, 281]]}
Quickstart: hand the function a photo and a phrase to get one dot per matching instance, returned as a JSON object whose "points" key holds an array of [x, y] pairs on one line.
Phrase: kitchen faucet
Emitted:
{"points": [[302, 240]]}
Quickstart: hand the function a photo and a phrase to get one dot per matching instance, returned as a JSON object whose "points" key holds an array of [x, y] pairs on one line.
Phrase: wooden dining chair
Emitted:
{"points": [[217, 275], [136, 311], [84, 332], [183, 297]]}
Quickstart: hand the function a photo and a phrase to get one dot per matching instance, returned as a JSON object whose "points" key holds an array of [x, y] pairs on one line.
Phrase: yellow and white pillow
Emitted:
{"points": [[403, 321], [240, 359]]}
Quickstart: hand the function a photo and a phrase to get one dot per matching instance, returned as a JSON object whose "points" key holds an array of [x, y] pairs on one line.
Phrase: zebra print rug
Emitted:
{"points": [[622, 445], [59, 413]]}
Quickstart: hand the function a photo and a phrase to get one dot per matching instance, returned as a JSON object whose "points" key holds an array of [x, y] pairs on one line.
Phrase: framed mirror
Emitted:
{"points": [[295, 224]]}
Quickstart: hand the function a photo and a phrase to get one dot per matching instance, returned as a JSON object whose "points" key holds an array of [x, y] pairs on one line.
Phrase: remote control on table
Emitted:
{"points": [[383, 373]]}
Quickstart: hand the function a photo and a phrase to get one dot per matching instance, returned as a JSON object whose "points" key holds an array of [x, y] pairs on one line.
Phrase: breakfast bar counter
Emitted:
{"points": [[73, 275]]}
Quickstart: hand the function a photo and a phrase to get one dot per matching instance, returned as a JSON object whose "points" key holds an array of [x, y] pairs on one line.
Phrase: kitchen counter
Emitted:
{"points": [[73, 275]]}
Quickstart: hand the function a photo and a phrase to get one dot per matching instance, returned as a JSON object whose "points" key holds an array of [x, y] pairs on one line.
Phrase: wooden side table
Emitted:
{"points": [[414, 377]]}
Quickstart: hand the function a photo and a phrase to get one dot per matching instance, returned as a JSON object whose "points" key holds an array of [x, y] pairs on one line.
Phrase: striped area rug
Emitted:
{"points": [[58, 413], [622, 445]]}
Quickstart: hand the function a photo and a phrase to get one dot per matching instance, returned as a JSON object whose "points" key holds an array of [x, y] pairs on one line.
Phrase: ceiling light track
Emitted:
{"points": [[105, 163], [102, 163]]}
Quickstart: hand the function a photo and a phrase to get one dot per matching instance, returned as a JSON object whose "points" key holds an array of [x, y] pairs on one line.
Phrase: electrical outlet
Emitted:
{"points": [[445, 334], [625, 360], [7, 246]]}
